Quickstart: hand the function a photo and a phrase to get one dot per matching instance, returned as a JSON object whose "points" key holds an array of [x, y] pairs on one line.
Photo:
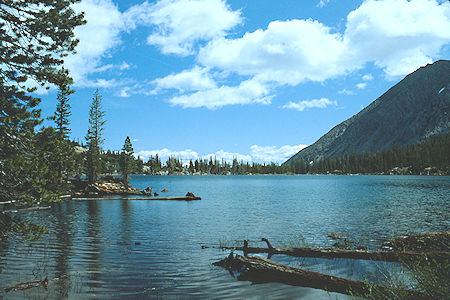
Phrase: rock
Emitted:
{"points": [[156, 194], [147, 191], [164, 191]]}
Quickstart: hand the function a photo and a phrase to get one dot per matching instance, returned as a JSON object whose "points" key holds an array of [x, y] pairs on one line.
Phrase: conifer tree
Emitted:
{"points": [[94, 137], [35, 36], [126, 159], [63, 107]]}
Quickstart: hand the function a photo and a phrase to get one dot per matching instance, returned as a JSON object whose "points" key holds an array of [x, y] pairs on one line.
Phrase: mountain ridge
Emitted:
{"points": [[411, 111]]}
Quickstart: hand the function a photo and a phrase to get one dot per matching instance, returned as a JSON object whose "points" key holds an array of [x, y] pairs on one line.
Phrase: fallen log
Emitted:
{"points": [[27, 285], [28, 208], [261, 270], [388, 256], [145, 198], [8, 202]]}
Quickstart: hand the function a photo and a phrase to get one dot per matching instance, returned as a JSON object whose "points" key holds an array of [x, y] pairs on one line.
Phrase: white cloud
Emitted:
{"points": [[189, 80], [228, 156], [322, 3], [367, 77], [125, 92], [179, 24], [249, 91], [98, 83], [259, 154], [165, 153], [97, 38], [287, 52], [398, 35], [274, 154], [346, 92], [315, 103], [361, 85], [124, 66]]}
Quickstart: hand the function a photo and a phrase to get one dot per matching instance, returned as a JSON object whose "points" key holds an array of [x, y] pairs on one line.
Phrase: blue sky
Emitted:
{"points": [[256, 80]]}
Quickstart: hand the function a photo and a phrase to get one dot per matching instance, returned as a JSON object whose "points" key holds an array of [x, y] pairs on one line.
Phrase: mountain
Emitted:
{"points": [[413, 110]]}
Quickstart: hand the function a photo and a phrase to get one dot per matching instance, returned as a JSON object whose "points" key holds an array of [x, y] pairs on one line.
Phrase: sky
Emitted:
{"points": [[255, 80]]}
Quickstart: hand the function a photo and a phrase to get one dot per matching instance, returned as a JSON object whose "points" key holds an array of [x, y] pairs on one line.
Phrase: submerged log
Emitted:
{"points": [[388, 256], [27, 285], [261, 270]]}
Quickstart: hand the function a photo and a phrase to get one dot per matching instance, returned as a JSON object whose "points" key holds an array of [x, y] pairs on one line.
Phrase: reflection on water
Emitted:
{"points": [[63, 234], [93, 244], [119, 248]]}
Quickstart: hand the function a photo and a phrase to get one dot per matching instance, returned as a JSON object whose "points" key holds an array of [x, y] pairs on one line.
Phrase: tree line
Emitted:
{"points": [[430, 156]]}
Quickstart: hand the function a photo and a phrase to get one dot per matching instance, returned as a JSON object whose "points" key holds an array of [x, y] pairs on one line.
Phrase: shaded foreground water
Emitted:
{"points": [[118, 248]]}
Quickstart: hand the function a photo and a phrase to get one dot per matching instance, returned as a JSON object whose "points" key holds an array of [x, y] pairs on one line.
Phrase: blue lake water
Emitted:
{"points": [[116, 248]]}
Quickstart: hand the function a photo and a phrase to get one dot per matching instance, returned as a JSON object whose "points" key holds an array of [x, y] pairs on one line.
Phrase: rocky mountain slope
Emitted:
{"points": [[415, 109]]}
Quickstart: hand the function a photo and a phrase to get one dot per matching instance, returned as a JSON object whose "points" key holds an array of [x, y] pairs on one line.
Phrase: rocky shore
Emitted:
{"points": [[107, 185]]}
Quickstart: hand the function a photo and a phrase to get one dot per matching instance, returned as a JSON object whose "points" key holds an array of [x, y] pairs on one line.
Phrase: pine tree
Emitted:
{"points": [[126, 159], [35, 36], [94, 137], [63, 113]]}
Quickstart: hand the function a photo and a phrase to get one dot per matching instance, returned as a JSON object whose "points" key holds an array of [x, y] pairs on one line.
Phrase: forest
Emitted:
{"points": [[431, 156]]}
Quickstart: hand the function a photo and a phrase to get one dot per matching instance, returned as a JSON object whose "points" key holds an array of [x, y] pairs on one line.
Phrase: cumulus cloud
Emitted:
{"points": [[275, 154], [98, 83], [315, 103], [249, 91], [287, 52], [367, 77], [261, 154], [322, 3], [189, 80], [397, 35], [228, 156], [100, 34], [346, 92], [179, 24], [165, 153], [361, 85]]}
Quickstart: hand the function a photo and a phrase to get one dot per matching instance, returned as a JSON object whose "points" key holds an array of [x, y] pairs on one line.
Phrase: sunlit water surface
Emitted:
{"points": [[118, 248]]}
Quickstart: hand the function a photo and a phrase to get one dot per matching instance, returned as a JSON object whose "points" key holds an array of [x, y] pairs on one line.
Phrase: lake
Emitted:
{"points": [[118, 248]]}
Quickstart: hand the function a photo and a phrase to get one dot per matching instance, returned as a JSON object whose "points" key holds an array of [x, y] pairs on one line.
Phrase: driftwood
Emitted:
{"points": [[29, 208], [388, 256], [8, 202], [261, 270], [27, 285]]}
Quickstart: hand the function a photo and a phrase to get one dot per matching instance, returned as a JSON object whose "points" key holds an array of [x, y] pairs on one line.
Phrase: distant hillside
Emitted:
{"points": [[413, 110]]}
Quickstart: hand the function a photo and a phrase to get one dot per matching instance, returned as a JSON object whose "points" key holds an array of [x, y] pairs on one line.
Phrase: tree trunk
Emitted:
{"points": [[261, 270], [388, 256]]}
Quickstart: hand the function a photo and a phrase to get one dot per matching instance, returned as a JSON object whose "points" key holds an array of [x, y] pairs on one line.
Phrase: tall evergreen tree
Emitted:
{"points": [[94, 137], [126, 159], [63, 112], [35, 36]]}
